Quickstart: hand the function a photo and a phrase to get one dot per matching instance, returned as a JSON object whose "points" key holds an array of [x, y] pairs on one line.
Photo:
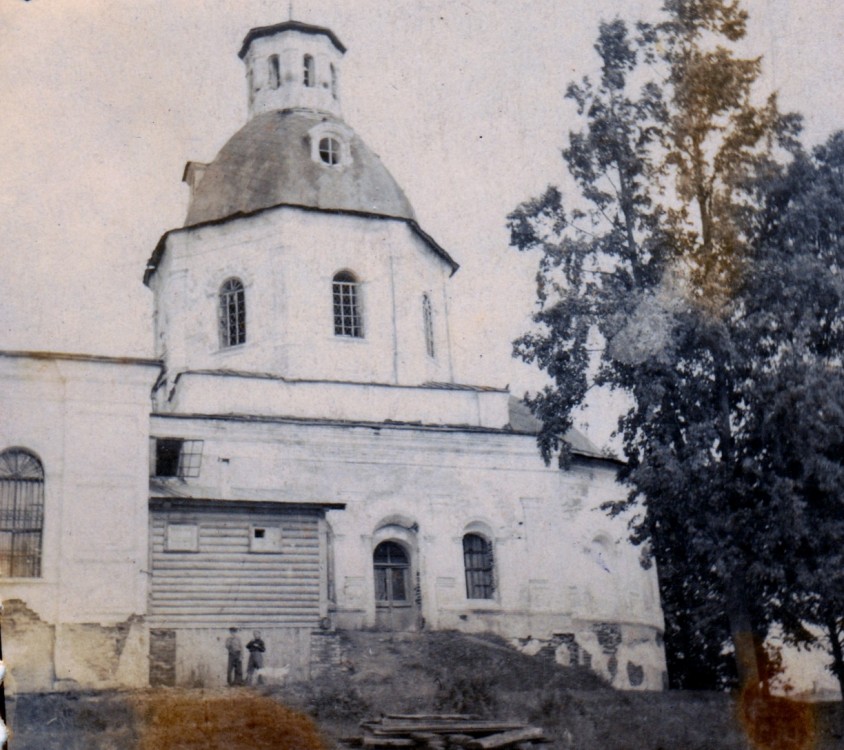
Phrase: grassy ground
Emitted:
{"points": [[406, 673]]}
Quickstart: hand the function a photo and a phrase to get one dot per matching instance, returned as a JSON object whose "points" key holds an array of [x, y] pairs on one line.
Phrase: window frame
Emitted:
{"points": [[479, 567], [274, 72], [391, 574], [188, 458], [22, 478], [231, 312], [331, 154], [347, 308], [428, 326], [308, 72]]}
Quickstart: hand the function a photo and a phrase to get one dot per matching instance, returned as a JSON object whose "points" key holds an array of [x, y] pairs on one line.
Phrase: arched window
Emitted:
{"points": [[347, 317], [477, 560], [333, 81], [308, 72], [232, 313], [21, 513], [329, 151], [428, 323], [392, 570], [275, 72]]}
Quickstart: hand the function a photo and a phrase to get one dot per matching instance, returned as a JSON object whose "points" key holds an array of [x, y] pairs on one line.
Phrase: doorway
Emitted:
{"points": [[394, 600]]}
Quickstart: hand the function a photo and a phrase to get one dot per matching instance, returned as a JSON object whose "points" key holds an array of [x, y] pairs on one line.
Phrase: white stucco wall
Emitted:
{"points": [[291, 47], [287, 259], [427, 488], [87, 420]]}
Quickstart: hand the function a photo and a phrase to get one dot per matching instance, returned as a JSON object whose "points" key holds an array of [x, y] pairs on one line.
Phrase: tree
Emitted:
{"points": [[797, 428], [650, 274]]}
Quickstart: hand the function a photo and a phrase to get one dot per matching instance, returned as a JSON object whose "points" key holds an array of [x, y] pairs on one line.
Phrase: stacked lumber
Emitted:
{"points": [[446, 731]]}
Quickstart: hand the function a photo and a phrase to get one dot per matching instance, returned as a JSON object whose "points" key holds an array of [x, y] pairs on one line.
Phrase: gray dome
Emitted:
{"points": [[268, 162]]}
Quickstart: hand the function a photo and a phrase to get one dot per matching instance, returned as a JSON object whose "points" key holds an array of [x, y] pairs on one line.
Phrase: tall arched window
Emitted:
{"points": [[347, 316], [392, 569], [477, 560], [428, 323], [232, 313], [308, 71], [275, 72], [21, 513]]}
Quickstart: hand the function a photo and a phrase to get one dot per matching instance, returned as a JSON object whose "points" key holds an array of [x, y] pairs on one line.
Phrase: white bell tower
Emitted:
{"points": [[292, 65]]}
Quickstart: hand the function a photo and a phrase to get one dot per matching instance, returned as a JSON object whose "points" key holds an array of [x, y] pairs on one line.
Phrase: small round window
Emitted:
{"points": [[329, 151]]}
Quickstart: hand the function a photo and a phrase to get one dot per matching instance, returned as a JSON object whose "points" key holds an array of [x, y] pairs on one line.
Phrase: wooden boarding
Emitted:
{"points": [[453, 731], [507, 739]]}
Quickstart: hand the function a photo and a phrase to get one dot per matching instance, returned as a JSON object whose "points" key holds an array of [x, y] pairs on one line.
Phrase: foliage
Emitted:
{"points": [[465, 691], [684, 283]]}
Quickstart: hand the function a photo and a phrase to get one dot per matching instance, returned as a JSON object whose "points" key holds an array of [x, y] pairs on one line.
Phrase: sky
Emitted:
{"points": [[104, 101]]}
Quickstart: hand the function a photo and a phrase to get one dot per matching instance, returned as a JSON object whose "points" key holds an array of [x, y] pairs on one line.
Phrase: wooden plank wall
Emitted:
{"points": [[223, 583]]}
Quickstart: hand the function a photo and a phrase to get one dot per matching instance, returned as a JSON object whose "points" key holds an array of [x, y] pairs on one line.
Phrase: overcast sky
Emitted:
{"points": [[103, 102]]}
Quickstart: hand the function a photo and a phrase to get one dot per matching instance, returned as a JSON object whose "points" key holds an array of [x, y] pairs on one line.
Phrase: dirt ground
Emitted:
{"points": [[420, 673]]}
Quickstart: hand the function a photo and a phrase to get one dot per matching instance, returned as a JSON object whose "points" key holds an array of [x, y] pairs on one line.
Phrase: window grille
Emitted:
{"points": [[329, 151], [477, 559], [391, 572], [275, 72], [347, 316], [428, 322], [176, 457], [21, 514], [308, 77], [232, 313]]}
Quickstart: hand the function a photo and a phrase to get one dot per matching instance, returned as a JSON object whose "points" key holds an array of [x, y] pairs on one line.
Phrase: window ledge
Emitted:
{"points": [[350, 339]]}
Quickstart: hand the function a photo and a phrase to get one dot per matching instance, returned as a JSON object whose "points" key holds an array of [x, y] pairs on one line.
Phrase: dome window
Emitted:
{"points": [[329, 151], [330, 144]]}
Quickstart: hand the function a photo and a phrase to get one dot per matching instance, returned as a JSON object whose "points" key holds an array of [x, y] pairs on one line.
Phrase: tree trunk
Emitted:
{"points": [[837, 651], [741, 632]]}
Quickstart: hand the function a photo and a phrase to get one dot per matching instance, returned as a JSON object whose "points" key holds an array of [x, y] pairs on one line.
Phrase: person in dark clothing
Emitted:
{"points": [[234, 673], [256, 649]]}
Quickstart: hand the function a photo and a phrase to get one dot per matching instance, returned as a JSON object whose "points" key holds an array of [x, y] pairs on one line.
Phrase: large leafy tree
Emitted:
{"points": [[796, 431], [641, 286]]}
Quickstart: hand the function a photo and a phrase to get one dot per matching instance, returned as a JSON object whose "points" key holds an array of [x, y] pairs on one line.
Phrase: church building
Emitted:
{"points": [[297, 457]]}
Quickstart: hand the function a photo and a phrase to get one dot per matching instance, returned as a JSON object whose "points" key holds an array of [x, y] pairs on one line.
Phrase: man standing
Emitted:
{"points": [[256, 649], [234, 673]]}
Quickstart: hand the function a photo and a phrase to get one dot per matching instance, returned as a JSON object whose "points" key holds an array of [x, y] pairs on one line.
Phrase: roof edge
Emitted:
{"points": [[304, 28], [155, 258]]}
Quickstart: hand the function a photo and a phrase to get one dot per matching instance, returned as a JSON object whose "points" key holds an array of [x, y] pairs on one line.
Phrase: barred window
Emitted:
{"points": [[232, 313], [428, 323], [177, 457], [308, 72], [477, 559], [21, 513], [347, 315], [275, 72]]}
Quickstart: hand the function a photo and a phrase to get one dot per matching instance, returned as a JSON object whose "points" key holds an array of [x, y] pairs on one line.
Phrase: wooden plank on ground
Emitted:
{"points": [[459, 740], [388, 742], [428, 717], [506, 739], [454, 727]]}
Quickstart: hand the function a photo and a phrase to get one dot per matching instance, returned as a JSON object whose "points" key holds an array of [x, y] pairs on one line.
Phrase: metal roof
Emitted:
{"points": [[268, 162], [277, 28]]}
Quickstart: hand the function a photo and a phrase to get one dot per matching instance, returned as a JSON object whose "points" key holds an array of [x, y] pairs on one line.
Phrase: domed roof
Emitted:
{"points": [[269, 161]]}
